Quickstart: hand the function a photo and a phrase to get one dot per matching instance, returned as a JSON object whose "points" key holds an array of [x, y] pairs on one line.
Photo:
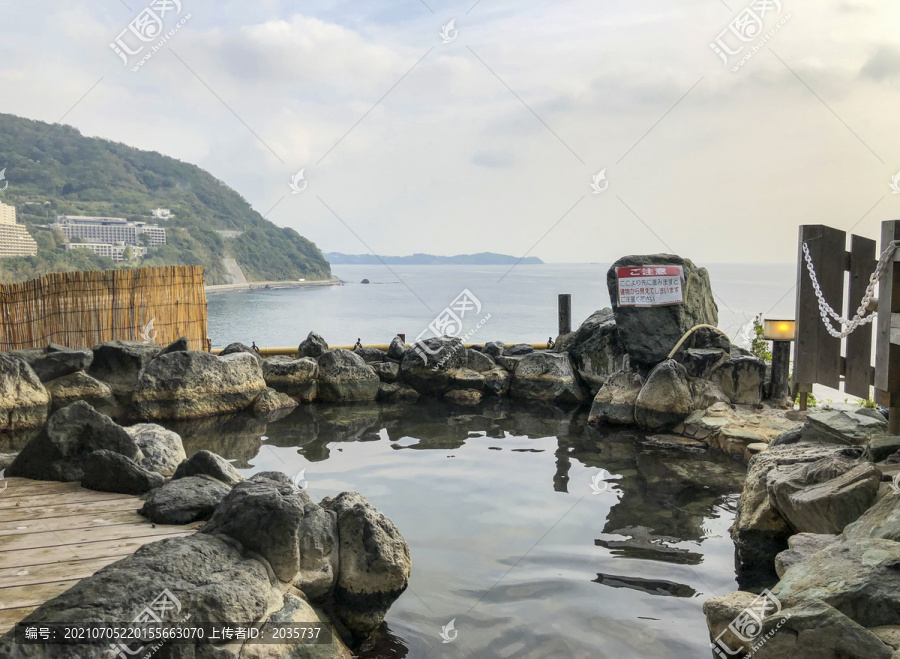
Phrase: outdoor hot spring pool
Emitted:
{"points": [[506, 533]]}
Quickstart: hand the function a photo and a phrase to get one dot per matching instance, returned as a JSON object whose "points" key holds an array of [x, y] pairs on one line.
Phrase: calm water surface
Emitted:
{"points": [[522, 302], [506, 535]]}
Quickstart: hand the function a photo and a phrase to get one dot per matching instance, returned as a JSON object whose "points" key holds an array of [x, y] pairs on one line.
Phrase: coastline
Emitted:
{"points": [[256, 285]]}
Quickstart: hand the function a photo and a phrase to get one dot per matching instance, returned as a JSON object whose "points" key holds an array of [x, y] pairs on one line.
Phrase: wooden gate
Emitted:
{"points": [[820, 358]]}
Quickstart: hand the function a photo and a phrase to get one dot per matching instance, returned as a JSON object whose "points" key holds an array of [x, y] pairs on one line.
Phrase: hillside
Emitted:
{"points": [[483, 258], [80, 175]]}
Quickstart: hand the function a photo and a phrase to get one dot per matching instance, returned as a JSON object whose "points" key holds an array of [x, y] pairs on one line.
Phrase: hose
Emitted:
{"points": [[691, 331]]}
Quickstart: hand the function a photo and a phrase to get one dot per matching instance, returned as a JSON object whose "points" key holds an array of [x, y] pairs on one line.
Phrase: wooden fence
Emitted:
{"points": [[82, 309], [818, 356]]}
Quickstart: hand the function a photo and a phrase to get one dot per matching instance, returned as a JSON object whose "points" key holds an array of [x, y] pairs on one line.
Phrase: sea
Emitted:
{"points": [[531, 535]]}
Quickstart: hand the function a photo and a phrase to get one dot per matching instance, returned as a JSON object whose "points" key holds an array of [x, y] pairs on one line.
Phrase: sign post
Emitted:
{"points": [[650, 285]]}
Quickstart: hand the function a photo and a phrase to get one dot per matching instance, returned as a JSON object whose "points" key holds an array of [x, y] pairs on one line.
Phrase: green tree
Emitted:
{"points": [[759, 346]]}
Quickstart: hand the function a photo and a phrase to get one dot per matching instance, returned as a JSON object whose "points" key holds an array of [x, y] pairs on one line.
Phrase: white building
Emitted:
{"points": [[14, 238], [161, 213], [109, 230], [115, 252]]}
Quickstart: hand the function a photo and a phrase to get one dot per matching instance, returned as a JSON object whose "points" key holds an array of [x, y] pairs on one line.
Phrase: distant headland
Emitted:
{"points": [[483, 258]]}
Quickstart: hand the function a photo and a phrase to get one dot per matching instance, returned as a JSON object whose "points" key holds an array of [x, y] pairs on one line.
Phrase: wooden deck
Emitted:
{"points": [[53, 534]]}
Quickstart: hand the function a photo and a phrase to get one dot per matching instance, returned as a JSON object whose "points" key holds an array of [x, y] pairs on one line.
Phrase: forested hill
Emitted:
{"points": [[80, 175], [482, 258]]}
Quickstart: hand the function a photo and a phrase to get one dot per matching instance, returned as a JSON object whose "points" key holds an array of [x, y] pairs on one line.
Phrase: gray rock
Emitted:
{"points": [[271, 401], [185, 500], [425, 366], [880, 521], [374, 562], [265, 517], [57, 364], [344, 376], [494, 348], [801, 547], [209, 464], [649, 334], [665, 399], [854, 427], [465, 378], [371, 355], [705, 394], [187, 385], [518, 350], [393, 392], [120, 363], [387, 371], [823, 496], [792, 436], [497, 381], [59, 451], [162, 449], [206, 578], [232, 348], [700, 362], [480, 362], [397, 349], [881, 447], [759, 531], [546, 376], [24, 402], [180, 344], [596, 349], [614, 403], [312, 346], [741, 379], [708, 339], [859, 578], [81, 386], [509, 363], [107, 471], [295, 377]]}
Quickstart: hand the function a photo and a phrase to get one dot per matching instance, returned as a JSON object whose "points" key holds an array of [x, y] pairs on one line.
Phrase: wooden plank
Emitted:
{"points": [[858, 372], [64, 510], [24, 576], [817, 353], [68, 537], [9, 617], [17, 597], [71, 522], [887, 355], [62, 498], [37, 488], [86, 551]]}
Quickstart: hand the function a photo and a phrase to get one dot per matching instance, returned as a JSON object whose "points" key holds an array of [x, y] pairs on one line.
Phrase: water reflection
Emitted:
{"points": [[506, 536]]}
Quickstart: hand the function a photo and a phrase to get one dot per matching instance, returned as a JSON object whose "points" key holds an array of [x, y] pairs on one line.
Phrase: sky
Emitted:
{"points": [[417, 135]]}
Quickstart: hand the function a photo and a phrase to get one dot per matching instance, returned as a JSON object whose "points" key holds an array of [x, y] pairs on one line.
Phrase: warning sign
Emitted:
{"points": [[650, 286]]}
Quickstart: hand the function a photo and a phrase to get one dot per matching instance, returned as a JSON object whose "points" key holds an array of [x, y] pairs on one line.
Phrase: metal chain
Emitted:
{"points": [[860, 318]]}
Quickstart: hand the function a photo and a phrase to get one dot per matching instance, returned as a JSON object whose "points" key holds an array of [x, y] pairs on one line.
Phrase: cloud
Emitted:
{"points": [[493, 159], [884, 64]]}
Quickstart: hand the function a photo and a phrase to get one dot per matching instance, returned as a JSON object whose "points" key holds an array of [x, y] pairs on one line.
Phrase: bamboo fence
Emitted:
{"points": [[82, 309]]}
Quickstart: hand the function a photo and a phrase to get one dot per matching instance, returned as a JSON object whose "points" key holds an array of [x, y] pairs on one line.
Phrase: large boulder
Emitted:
{"points": [[70, 388], [800, 547], [546, 376], [650, 333], [107, 471], [162, 449], [497, 381], [823, 496], [374, 562], [120, 363], [386, 371], [596, 349], [187, 385], [63, 362], [312, 346], [614, 403], [479, 361], [184, 500], [24, 402], [665, 399], [344, 376], [426, 364], [207, 463], [181, 344], [494, 348], [859, 578], [845, 425], [700, 362], [59, 451], [741, 379], [880, 521], [759, 531], [705, 394], [397, 349], [371, 355], [294, 377], [272, 404]]}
